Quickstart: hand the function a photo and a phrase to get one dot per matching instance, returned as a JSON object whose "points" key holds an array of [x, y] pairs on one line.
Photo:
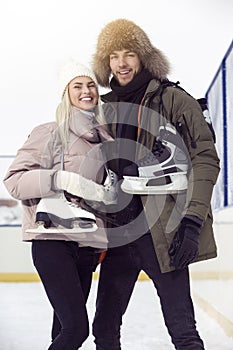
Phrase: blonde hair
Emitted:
{"points": [[62, 117], [63, 113]]}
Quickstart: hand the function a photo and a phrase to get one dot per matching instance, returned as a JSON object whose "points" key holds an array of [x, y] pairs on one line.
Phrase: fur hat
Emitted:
{"points": [[72, 70], [124, 34]]}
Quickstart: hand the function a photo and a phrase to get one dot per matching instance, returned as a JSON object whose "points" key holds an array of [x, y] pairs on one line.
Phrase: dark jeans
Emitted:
{"points": [[66, 273], [119, 272]]}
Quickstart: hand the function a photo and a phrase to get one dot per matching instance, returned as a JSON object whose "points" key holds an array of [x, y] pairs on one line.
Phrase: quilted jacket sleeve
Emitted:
{"points": [[29, 175], [201, 148]]}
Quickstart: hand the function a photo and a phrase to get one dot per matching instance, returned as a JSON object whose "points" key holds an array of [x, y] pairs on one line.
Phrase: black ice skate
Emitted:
{"points": [[163, 170], [57, 215]]}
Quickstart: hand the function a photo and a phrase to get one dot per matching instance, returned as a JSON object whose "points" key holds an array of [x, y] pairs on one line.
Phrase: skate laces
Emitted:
{"points": [[71, 204], [157, 150], [111, 181]]}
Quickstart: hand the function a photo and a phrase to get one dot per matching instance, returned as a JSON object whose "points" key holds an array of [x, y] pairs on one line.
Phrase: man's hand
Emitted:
{"points": [[184, 247]]}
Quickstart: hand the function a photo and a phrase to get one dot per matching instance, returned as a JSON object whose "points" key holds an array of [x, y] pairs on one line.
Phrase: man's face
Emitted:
{"points": [[124, 65]]}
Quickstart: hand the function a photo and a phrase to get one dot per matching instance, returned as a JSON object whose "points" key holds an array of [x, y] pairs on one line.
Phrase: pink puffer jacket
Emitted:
{"points": [[29, 177]]}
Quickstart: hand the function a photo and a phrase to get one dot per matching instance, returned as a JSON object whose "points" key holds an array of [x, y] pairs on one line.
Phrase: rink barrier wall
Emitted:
{"points": [[219, 98], [195, 275], [16, 262]]}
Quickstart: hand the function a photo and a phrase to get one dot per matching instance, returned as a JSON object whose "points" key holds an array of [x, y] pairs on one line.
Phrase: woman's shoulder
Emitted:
{"points": [[50, 126], [45, 129], [44, 133]]}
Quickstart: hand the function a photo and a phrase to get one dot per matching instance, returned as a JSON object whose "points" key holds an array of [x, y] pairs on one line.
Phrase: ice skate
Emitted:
{"points": [[57, 215], [162, 171]]}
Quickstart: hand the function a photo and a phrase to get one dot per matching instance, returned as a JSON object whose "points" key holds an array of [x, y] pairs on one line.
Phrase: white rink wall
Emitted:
{"points": [[222, 266], [15, 255]]}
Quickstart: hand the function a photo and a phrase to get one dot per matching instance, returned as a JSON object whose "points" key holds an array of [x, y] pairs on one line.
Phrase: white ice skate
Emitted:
{"points": [[162, 171], [57, 215]]}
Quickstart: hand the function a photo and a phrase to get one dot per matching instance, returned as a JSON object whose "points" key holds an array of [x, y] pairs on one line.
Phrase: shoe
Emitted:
{"points": [[57, 214], [163, 170]]}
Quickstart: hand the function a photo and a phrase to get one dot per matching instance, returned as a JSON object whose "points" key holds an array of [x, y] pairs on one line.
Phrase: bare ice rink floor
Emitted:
{"points": [[25, 318]]}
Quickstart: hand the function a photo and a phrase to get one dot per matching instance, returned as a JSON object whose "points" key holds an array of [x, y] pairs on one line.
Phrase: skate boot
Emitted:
{"points": [[57, 215], [161, 171]]}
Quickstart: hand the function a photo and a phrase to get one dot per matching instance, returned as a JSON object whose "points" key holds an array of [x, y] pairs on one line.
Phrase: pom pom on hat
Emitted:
{"points": [[72, 70]]}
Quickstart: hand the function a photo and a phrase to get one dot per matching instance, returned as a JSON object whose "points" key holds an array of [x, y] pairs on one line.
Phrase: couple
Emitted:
{"points": [[159, 234]]}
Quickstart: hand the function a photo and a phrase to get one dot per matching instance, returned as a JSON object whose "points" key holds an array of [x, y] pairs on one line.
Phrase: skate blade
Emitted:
{"points": [[78, 229], [152, 191], [135, 185]]}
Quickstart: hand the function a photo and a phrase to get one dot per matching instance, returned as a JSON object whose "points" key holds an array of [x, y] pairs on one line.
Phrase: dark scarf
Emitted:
{"points": [[131, 96], [134, 91]]}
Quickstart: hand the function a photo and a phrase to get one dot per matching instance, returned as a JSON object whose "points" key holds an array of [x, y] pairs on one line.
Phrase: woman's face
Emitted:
{"points": [[83, 93]]}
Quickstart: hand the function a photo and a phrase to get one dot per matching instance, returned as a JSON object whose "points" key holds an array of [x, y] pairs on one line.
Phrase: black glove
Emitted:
{"points": [[184, 247]]}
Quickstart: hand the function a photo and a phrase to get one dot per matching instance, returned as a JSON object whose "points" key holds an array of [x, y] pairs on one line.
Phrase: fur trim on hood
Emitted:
{"points": [[124, 34]]}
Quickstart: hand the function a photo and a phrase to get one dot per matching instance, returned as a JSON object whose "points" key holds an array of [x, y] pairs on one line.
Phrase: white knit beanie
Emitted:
{"points": [[72, 70]]}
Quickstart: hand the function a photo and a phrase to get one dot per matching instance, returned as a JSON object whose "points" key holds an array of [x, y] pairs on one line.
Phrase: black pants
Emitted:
{"points": [[66, 273], [119, 272]]}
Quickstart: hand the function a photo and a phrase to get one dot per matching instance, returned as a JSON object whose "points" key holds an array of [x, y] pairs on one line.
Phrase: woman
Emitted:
{"points": [[64, 156]]}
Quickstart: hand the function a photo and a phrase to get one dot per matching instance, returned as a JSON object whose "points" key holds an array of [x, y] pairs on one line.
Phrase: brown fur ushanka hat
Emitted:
{"points": [[124, 34]]}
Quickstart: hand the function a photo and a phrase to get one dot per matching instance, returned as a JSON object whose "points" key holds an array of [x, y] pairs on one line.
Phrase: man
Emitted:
{"points": [[175, 229]]}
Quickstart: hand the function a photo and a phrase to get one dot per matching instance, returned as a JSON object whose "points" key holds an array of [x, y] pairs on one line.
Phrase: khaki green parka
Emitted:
{"points": [[164, 212]]}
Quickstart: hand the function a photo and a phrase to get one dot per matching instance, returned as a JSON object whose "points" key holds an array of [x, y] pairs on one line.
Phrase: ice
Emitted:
{"points": [[26, 316]]}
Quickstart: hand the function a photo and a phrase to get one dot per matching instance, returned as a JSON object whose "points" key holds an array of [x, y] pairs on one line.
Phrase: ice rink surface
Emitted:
{"points": [[25, 320]]}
